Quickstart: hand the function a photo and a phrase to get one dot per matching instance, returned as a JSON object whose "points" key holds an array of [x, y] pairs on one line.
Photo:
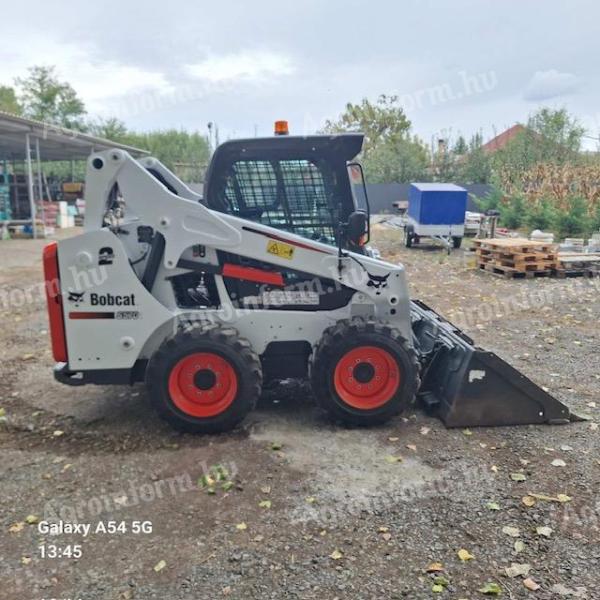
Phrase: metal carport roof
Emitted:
{"points": [[29, 140], [55, 142]]}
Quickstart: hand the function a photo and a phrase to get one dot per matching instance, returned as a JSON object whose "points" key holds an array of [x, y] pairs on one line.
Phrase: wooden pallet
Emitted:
{"points": [[483, 252], [525, 265], [567, 273], [529, 265], [516, 257], [512, 245], [573, 264], [512, 273]]}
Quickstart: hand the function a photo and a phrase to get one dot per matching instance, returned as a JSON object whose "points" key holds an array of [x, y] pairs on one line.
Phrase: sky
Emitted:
{"points": [[458, 67]]}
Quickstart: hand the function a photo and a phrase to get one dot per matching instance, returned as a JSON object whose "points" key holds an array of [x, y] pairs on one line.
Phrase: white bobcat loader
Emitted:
{"points": [[263, 278]]}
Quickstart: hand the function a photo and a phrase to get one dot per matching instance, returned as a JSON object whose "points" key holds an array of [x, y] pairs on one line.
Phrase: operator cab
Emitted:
{"points": [[299, 184]]}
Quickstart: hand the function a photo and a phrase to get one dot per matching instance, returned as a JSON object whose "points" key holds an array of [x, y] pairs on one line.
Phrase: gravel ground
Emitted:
{"points": [[306, 509]]}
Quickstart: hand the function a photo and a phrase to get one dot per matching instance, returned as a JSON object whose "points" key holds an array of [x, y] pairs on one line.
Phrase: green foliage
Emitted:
{"points": [[45, 98], [490, 201], [381, 121], [460, 147], [512, 212], [542, 215], [401, 160], [389, 152], [8, 100], [109, 129], [574, 220], [445, 166], [185, 153], [559, 134], [65, 170], [551, 136], [595, 219], [476, 166]]}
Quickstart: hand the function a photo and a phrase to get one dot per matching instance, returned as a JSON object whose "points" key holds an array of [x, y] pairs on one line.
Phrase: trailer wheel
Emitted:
{"points": [[408, 236], [205, 379], [456, 242], [364, 372]]}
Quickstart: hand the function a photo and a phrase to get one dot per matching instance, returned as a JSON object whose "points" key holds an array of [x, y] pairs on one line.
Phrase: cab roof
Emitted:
{"points": [[343, 145]]}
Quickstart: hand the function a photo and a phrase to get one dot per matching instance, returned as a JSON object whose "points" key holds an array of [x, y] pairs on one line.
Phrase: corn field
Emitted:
{"points": [[555, 183]]}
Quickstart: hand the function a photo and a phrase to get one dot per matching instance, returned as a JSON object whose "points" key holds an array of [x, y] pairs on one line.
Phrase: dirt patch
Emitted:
{"points": [[330, 512]]}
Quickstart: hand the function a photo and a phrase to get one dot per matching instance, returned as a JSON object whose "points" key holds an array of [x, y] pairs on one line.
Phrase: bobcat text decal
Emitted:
{"points": [[112, 300]]}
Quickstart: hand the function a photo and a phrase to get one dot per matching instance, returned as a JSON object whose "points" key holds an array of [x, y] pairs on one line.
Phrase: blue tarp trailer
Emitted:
{"points": [[436, 210]]}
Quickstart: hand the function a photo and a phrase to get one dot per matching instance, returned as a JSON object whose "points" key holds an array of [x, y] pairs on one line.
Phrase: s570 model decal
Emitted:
{"points": [[127, 315]]}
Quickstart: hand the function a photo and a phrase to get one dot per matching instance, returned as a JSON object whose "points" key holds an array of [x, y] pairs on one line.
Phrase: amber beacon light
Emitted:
{"points": [[281, 128]]}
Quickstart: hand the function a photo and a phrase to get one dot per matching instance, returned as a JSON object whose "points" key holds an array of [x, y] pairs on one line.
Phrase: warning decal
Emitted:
{"points": [[280, 249]]}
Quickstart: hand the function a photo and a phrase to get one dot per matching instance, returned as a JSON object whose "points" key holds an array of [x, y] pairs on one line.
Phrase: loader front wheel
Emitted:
{"points": [[364, 372], [205, 379]]}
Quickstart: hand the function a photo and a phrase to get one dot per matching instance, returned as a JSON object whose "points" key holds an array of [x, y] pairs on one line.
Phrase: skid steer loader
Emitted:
{"points": [[264, 277]]}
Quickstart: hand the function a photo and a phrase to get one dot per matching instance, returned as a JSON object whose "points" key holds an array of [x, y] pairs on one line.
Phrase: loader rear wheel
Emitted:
{"points": [[364, 372], [205, 379]]}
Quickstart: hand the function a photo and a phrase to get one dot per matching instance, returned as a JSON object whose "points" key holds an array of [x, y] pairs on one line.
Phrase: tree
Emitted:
{"points": [[399, 160], [512, 212], [476, 166], [181, 151], [45, 98], [109, 129], [559, 134], [381, 121], [551, 136], [389, 153], [444, 165], [574, 219], [541, 215], [460, 146], [8, 100]]}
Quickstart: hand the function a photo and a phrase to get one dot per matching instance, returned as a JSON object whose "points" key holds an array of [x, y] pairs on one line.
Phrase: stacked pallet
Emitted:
{"points": [[516, 257], [578, 264]]}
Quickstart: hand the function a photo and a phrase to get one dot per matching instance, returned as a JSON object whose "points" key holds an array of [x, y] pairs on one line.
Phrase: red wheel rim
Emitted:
{"points": [[203, 384], [366, 377]]}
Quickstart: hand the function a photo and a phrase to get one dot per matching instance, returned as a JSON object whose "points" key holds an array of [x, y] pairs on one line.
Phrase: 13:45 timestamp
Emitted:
{"points": [[54, 551]]}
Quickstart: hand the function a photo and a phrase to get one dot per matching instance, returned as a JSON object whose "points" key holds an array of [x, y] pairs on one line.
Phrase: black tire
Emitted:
{"points": [[351, 335], [456, 242], [408, 237], [237, 370]]}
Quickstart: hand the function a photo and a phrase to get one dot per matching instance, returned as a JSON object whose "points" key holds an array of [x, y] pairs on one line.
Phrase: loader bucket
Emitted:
{"points": [[466, 386]]}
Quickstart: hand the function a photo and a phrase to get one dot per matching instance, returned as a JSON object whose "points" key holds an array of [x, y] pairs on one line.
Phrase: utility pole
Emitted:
{"points": [[210, 130]]}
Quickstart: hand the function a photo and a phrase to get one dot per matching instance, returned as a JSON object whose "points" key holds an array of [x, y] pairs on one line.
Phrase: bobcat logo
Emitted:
{"points": [[377, 281], [76, 296]]}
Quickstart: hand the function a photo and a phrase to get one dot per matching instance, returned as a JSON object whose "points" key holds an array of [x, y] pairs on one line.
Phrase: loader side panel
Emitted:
{"points": [[108, 313]]}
